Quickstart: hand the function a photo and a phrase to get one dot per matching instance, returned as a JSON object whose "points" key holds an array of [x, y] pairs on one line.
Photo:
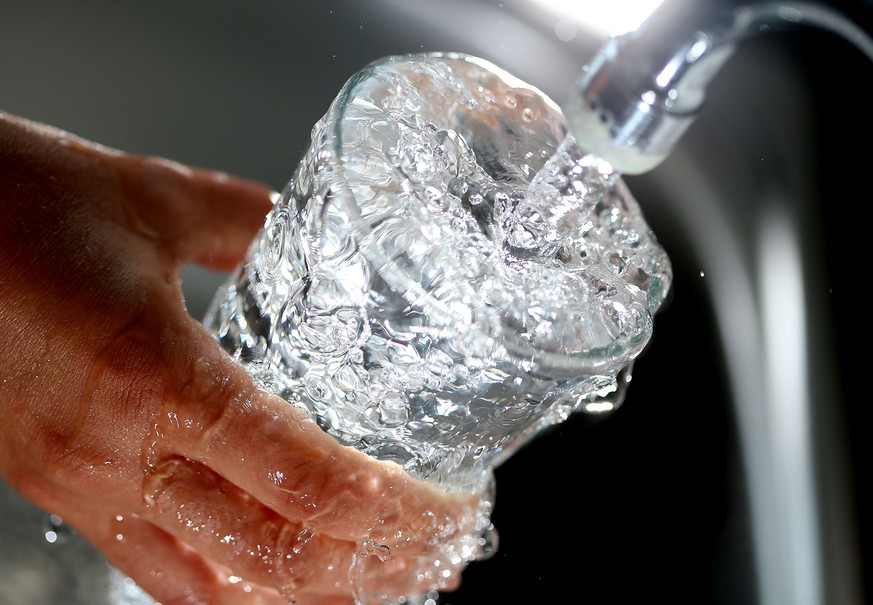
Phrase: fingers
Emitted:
{"points": [[276, 453], [173, 573], [194, 214], [190, 214], [252, 482], [226, 525]]}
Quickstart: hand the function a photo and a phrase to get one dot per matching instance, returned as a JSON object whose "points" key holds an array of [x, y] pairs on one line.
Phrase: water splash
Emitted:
{"points": [[444, 270], [446, 274]]}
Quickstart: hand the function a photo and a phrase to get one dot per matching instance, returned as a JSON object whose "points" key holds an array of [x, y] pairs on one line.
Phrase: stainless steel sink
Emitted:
{"points": [[733, 472]]}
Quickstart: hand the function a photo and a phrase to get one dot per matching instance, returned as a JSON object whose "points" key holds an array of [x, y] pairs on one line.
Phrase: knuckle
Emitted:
{"points": [[211, 397], [342, 493], [303, 494], [279, 557], [155, 187]]}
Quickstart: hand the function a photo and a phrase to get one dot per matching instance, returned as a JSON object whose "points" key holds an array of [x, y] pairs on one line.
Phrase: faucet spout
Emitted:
{"points": [[644, 89]]}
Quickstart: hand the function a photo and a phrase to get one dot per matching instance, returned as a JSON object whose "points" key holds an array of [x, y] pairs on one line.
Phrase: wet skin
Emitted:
{"points": [[121, 414]]}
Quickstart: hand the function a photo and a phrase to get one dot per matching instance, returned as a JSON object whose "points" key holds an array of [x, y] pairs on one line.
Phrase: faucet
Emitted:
{"points": [[644, 89], [633, 104]]}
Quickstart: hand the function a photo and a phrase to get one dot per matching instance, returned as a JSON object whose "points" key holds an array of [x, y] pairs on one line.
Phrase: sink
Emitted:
{"points": [[732, 473]]}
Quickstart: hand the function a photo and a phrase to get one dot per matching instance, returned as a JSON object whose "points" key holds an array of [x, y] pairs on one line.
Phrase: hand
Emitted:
{"points": [[121, 414]]}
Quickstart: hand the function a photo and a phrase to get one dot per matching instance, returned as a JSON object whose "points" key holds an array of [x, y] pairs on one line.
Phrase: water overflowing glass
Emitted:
{"points": [[446, 274]]}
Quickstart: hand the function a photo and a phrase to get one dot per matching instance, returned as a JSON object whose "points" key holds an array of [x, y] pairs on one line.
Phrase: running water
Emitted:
{"points": [[446, 274]]}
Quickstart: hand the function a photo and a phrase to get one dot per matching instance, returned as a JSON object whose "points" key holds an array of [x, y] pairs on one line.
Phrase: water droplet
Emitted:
{"points": [[55, 530], [289, 594], [371, 548], [565, 30]]}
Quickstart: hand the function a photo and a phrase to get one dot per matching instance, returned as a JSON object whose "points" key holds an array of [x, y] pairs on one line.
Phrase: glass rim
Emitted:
{"points": [[606, 360]]}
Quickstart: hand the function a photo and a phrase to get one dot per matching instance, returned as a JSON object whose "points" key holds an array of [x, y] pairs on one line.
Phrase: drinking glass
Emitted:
{"points": [[446, 274]]}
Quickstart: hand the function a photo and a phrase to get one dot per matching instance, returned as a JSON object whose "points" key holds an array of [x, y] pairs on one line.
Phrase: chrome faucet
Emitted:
{"points": [[643, 89]]}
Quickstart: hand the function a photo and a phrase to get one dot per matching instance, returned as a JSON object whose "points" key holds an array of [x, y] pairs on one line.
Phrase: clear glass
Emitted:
{"points": [[445, 274]]}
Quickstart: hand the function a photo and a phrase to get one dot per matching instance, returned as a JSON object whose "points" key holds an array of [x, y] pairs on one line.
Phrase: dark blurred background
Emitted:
{"points": [[761, 209]]}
